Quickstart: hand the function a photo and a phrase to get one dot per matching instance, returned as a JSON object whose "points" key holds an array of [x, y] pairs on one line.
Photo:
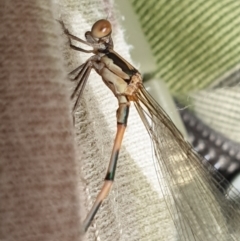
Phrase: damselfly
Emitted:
{"points": [[192, 185]]}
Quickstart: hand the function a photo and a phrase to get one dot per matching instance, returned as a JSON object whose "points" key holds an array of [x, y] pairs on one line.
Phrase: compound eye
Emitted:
{"points": [[101, 28]]}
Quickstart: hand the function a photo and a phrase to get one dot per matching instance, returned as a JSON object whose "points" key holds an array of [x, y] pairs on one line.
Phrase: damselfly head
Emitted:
{"points": [[102, 28]]}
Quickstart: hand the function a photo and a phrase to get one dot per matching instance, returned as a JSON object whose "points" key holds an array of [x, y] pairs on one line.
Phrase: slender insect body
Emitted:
{"points": [[192, 185]]}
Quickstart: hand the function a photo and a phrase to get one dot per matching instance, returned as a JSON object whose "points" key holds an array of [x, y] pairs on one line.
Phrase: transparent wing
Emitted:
{"points": [[193, 190]]}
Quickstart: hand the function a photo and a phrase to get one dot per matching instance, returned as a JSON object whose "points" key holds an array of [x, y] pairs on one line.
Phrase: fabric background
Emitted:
{"points": [[40, 195], [196, 48], [51, 172]]}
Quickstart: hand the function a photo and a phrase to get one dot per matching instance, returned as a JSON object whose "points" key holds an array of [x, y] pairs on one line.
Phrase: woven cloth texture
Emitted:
{"points": [[39, 198], [51, 172], [196, 49]]}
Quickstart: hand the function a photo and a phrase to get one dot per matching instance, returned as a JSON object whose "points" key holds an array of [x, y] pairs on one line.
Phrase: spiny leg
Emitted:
{"points": [[70, 36], [122, 116], [78, 69], [82, 76], [79, 49]]}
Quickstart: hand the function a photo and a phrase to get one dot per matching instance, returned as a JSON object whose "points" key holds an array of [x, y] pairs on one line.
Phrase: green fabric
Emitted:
{"points": [[196, 45], [194, 42]]}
